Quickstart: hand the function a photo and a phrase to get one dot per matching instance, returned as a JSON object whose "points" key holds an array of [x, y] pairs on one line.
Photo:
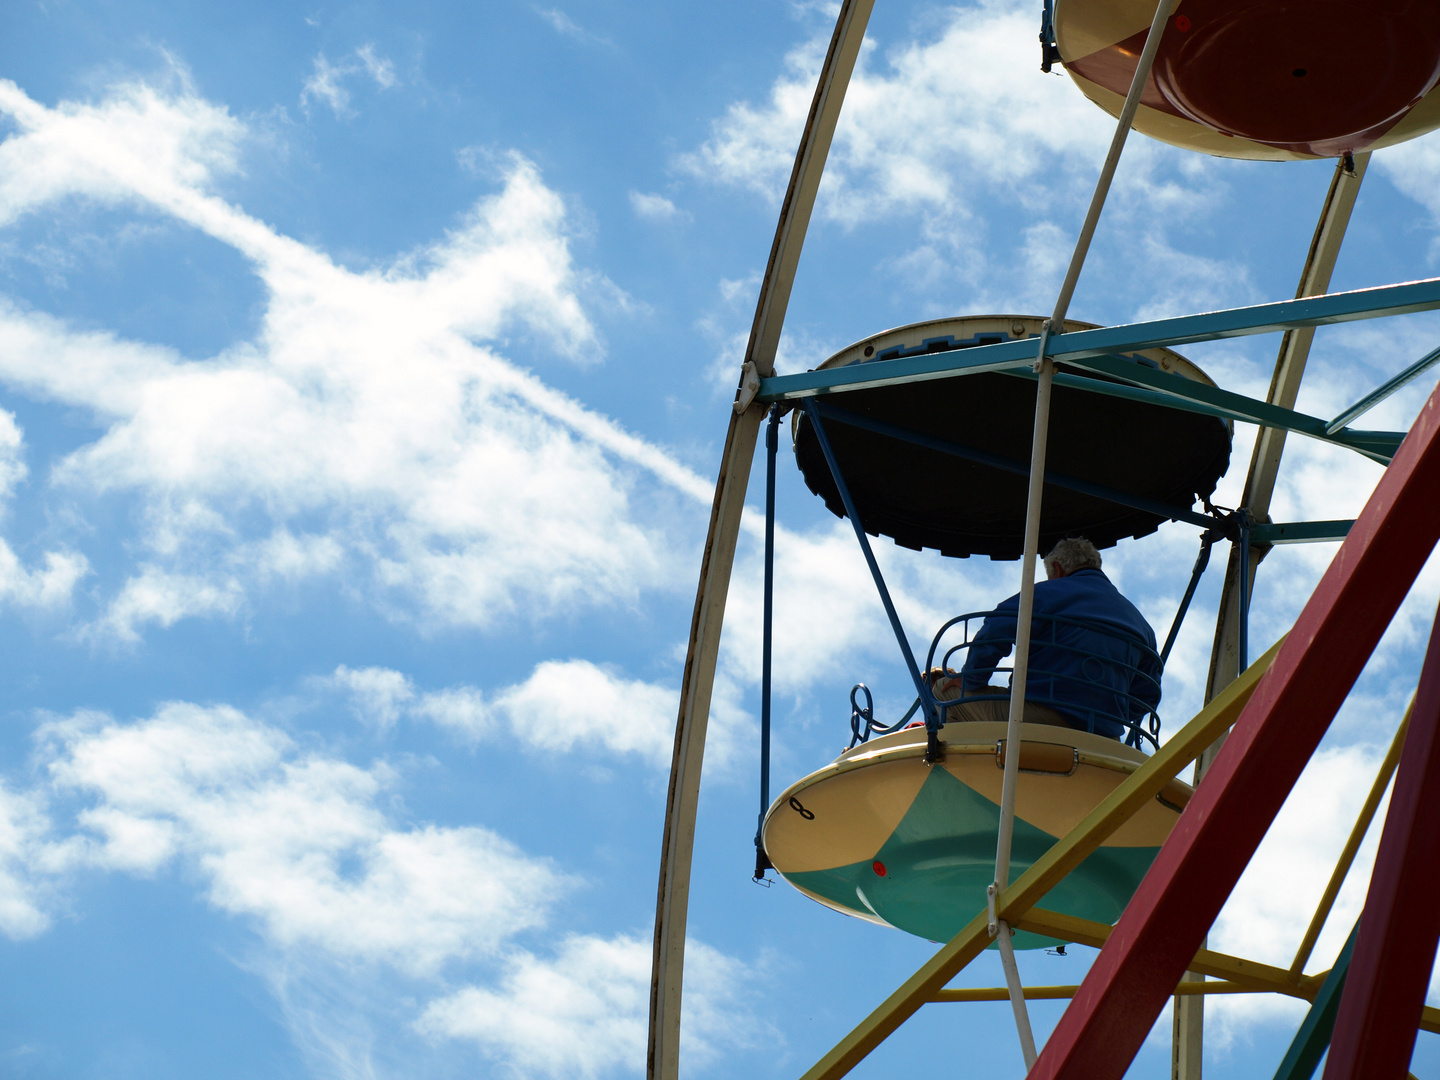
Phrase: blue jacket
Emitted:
{"points": [[1093, 678]]}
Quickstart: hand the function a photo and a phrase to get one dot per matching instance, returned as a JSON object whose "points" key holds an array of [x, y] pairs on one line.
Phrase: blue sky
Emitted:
{"points": [[363, 374]]}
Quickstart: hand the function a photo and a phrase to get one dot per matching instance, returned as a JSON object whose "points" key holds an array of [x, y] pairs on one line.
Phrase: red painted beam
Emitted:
{"points": [[1273, 739], [1395, 950]]}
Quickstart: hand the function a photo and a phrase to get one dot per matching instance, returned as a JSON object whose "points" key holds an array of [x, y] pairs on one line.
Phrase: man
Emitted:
{"points": [[1086, 663]]}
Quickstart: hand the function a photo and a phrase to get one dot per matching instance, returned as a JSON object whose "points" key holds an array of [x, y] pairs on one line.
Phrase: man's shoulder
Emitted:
{"points": [[1090, 594], [1078, 583]]}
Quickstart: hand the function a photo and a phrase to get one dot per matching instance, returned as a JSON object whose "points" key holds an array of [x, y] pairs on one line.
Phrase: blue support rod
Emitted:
{"points": [[921, 689], [1201, 561], [1370, 400], [772, 442]]}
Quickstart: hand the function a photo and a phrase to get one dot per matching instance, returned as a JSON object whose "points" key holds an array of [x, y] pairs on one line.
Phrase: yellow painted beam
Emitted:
{"points": [[1027, 890], [1252, 975], [1053, 993], [1259, 977]]}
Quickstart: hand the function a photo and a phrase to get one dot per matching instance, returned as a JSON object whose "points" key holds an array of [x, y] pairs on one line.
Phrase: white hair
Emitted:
{"points": [[1074, 553]]}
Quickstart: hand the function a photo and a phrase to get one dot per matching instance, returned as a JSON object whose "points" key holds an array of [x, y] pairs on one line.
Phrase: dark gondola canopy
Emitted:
{"points": [[926, 498]]}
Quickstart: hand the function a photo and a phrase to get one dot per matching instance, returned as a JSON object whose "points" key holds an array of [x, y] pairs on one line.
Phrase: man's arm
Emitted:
{"points": [[991, 645]]}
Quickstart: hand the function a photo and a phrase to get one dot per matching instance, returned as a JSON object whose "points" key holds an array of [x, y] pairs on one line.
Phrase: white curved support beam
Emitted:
{"points": [[804, 183], [672, 902]]}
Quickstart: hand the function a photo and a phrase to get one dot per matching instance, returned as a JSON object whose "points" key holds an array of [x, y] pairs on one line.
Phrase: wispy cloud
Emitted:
{"points": [[304, 847], [651, 206], [568, 27], [564, 706], [583, 1012], [461, 480], [326, 84], [296, 842], [957, 148], [155, 596]]}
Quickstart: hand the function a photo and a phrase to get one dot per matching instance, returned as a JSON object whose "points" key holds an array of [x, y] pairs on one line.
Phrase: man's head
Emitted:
{"points": [[1068, 556]]}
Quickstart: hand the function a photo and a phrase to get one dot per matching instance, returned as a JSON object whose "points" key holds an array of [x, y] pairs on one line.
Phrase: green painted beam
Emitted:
{"points": [[1384, 390], [1380, 445], [1377, 445], [1300, 532], [1207, 326], [1313, 1038], [1222, 402], [1176, 392]]}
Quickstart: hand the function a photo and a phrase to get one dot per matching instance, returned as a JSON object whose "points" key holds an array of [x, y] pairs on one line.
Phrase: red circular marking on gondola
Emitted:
{"points": [[1182, 23], [879, 868]]}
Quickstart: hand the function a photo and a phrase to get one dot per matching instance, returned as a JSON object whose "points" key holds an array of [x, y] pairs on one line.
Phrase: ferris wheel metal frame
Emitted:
{"points": [[1261, 722]]}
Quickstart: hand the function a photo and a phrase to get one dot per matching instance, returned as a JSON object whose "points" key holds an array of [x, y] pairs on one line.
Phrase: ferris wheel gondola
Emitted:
{"points": [[1278, 81]]}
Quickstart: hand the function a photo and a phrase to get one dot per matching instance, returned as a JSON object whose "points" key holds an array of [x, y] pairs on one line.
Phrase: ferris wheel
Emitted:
{"points": [[1048, 810]]}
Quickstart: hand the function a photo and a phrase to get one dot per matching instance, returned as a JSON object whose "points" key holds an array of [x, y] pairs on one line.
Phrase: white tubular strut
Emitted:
{"points": [[1026, 609]]}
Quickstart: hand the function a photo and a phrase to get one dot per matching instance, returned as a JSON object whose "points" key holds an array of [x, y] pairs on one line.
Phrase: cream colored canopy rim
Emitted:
{"points": [[997, 327]]}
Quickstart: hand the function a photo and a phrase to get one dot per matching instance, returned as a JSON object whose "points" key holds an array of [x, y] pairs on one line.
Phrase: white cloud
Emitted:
{"points": [[565, 705], [460, 708], [156, 596], [295, 842], [727, 328], [440, 473], [138, 146], [326, 83], [377, 67], [49, 586], [377, 694], [368, 400], [1271, 905], [12, 455], [583, 1013], [964, 145], [286, 555], [575, 701], [828, 616], [1411, 167], [344, 897], [654, 207], [906, 124], [22, 829], [568, 27]]}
